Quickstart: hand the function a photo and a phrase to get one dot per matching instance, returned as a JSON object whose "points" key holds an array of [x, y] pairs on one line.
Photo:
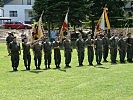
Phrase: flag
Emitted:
{"points": [[38, 28], [106, 17], [101, 23], [64, 27]]}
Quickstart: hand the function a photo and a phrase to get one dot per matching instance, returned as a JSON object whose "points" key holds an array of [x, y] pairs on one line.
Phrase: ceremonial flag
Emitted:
{"points": [[40, 27], [64, 27], [101, 23], [106, 18]]}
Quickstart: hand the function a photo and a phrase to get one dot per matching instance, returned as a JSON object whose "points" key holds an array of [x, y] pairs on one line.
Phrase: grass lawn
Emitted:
{"points": [[106, 82]]}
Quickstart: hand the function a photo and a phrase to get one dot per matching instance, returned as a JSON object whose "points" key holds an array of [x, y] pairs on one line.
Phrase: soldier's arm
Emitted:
{"points": [[19, 49]]}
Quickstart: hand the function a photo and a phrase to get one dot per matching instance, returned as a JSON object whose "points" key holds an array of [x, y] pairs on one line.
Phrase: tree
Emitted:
{"points": [[55, 10], [1, 3], [115, 7]]}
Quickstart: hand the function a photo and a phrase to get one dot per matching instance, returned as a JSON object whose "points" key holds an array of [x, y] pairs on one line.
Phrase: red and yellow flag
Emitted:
{"points": [[38, 28], [64, 26], [101, 22]]}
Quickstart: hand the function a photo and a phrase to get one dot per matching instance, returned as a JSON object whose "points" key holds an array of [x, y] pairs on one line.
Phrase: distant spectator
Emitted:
{"points": [[52, 35]]}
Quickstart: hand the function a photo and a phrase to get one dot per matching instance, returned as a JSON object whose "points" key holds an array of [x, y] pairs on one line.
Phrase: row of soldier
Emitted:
{"points": [[100, 46]]}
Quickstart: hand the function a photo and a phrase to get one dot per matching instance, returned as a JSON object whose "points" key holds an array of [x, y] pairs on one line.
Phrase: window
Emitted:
{"points": [[28, 2], [30, 14], [13, 13]]}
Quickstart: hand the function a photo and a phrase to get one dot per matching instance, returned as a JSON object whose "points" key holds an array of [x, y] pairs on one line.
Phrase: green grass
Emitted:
{"points": [[106, 82]]}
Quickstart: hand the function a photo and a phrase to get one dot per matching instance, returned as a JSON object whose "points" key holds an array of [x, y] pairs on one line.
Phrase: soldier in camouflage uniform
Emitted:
{"points": [[47, 53], [57, 54], [80, 49], [105, 47], [26, 54], [67, 51], [98, 49], [113, 49], [9, 39], [15, 52], [129, 42], [90, 47], [122, 48], [37, 50]]}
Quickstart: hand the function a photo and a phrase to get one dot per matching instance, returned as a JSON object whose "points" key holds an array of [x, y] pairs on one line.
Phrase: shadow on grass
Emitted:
{"points": [[97, 66], [13, 71], [35, 71], [63, 70]]}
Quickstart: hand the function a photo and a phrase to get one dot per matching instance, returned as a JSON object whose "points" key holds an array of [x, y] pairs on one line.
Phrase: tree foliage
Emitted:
{"points": [[55, 10], [1, 3]]}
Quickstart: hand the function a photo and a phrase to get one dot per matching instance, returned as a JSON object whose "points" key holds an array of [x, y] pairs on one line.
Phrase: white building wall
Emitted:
{"points": [[20, 2], [20, 11]]}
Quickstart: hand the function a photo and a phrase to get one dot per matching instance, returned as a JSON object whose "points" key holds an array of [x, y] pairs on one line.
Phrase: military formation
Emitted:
{"points": [[100, 46]]}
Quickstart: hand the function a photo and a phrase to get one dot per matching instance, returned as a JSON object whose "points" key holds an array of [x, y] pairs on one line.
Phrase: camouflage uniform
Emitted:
{"points": [[47, 53], [14, 50], [9, 39], [57, 54], [113, 49], [67, 51], [37, 50], [122, 49], [105, 48], [129, 42], [90, 43], [26, 55], [80, 49], [98, 50]]}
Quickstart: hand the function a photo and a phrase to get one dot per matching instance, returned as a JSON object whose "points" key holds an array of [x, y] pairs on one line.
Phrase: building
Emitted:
{"points": [[129, 8], [18, 10]]}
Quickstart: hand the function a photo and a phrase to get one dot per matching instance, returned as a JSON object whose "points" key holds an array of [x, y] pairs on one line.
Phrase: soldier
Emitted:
{"points": [[113, 48], [26, 54], [37, 50], [67, 51], [105, 47], [122, 48], [23, 35], [9, 39], [57, 54], [90, 45], [129, 42], [15, 52], [47, 53], [80, 49], [98, 49]]}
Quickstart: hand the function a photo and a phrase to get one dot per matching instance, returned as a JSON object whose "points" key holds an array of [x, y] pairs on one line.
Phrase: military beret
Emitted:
{"points": [[89, 35], [9, 32], [46, 37], [14, 37], [25, 38], [79, 35], [56, 37], [128, 33], [121, 34]]}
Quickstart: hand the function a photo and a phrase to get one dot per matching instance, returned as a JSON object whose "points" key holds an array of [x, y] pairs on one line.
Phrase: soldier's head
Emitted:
{"points": [[80, 36], [128, 34], [105, 34], [25, 39], [98, 36], [56, 38], [9, 33], [14, 39], [67, 37], [46, 39], [121, 35], [89, 36]]}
